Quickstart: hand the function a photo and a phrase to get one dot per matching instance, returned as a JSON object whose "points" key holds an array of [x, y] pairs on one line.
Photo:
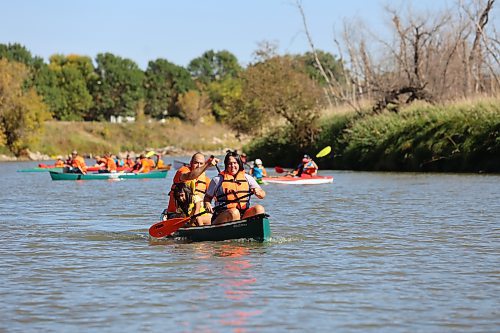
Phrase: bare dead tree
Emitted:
{"points": [[334, 88]]}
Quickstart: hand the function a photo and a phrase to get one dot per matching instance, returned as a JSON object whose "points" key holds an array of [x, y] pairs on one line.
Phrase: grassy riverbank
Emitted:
{"points": [[462, 137], [172, 137]]}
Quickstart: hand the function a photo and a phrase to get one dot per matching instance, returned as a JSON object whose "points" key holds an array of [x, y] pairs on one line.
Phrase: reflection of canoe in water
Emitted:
{"points": [[45, 168], [39, 169], [303, 180], [108, 176], [256, 227]]}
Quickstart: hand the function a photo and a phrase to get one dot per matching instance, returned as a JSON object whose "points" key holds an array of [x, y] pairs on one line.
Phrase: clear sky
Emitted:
{"points": [[181, 30]]}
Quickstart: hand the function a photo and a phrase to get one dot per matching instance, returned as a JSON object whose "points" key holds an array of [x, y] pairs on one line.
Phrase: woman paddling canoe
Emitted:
{"points": [[229, 186]]}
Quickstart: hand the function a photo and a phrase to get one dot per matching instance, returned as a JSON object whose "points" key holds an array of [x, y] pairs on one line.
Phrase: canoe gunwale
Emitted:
{"points": [[255, 227]]}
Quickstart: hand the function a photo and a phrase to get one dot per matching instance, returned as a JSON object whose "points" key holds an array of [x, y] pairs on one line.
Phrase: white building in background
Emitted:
{"points": [[120, 119]]}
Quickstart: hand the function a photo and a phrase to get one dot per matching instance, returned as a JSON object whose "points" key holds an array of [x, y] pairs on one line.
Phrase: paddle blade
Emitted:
{"points": [[279, 169], [325, 151], [168, 227], [150, 153]]}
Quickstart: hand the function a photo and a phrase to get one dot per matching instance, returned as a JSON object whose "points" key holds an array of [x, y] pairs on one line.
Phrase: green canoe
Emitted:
{"points": [[256, 227], [108, 176]]}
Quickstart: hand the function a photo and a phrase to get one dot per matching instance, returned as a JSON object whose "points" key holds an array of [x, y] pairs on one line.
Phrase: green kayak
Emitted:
{"points": [[256, 227], [108, 176]]}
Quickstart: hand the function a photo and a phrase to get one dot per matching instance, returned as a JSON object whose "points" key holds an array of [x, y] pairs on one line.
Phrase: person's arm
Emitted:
{"points": [[255, 188], [195, 173], [264, 172], [209, 195]]}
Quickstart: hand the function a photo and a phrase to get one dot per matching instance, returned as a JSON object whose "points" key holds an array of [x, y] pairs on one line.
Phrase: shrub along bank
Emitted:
{"points": [[463, 137]]}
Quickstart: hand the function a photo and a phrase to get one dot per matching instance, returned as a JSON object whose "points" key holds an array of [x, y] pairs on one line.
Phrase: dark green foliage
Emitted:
{"points": [[332, 67], [214, 66], [458, 138], [17, 52], [118, 88], [164, 82]]}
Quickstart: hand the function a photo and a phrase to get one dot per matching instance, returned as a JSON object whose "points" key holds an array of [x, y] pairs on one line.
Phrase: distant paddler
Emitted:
{"points": [[145, 164], [77, 163], [109, 164]]}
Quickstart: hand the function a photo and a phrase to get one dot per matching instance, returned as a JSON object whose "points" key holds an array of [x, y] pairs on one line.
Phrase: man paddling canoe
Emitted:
{"points": [[195, 171]]}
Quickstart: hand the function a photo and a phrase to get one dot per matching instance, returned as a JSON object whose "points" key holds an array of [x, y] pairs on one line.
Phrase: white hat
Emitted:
{"points": [[258, 162]]}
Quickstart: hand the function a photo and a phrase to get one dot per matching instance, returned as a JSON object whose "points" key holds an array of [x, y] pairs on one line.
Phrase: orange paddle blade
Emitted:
{"points": [[168, 227]]}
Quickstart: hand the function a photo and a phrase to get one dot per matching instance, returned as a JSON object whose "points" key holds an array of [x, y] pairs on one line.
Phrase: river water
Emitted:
{"points": [[372, 252]]}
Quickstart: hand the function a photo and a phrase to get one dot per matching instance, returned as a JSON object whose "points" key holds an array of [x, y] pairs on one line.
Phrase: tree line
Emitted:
{"points": [[436, 58], [213, 87]]}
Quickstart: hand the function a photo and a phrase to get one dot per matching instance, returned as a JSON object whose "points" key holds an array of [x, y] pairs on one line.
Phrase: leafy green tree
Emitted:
{"points": [[223, 95], [164, 82], [333, 67], [279, 87], [22, 111], [214, 66], [19, 53], [64, 86], [118, 87]]}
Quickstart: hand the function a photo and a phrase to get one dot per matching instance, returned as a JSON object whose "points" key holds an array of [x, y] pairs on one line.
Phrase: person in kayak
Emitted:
{"points": [[307, 167], [258, 171], [187, 203], [195, 171], [228, 187]]}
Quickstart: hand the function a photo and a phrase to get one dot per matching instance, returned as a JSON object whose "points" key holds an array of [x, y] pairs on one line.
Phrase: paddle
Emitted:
{"points": [[168, 227], [280, 169], [325, 151], [179, 164], [149, 154]]}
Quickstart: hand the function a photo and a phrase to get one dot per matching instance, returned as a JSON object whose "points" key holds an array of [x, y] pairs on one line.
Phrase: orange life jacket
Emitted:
{"points": [[110, 164], [232, 188], [145, 165], [79, 162], [201, 185]]}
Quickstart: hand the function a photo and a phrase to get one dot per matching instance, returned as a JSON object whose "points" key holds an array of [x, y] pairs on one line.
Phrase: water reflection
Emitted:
{"points": [[237, 283]]}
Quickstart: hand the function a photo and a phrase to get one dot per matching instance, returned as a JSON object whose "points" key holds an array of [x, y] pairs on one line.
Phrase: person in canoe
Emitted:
{"points": [[77, 163], [258, 171], [129, 162], [195, 171], [227, 187], [59, 163], [143, 166], [187, 204], [108, 163], [307, 167]]}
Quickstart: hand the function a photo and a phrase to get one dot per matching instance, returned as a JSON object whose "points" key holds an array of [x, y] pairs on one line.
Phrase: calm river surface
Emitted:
{"points": [[372, 252]]}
